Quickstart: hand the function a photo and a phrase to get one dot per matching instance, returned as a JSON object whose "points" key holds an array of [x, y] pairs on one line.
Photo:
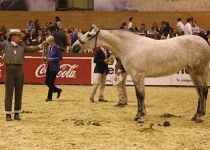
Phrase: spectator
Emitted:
{"points": [[180, 27], [188, 27], [123, 26], [30, 26], [60, 39], [154, 27], [131, 26], [39, 38], [30, 38], [37, 25], [74, 36], [143, 28], [58, 24]]}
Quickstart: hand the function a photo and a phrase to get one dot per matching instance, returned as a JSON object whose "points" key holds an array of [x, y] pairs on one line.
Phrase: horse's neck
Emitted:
{"points": [[115, 41]]}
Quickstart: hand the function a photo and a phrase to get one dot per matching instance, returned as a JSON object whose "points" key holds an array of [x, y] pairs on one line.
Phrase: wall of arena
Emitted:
{"points": [[105, 20]]}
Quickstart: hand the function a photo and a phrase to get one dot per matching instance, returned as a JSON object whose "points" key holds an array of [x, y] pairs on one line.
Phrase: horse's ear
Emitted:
{"points": [[94, 27]]}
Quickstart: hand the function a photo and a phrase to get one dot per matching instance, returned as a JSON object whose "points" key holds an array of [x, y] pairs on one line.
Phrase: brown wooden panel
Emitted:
{"points": [[108, 20]]}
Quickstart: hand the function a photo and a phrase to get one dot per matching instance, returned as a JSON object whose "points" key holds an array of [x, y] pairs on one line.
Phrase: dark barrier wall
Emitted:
{"points": [[108, 20]]}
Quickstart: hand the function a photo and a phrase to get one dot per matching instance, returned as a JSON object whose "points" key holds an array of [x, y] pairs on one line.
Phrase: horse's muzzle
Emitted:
{"points": [[76, 49]]}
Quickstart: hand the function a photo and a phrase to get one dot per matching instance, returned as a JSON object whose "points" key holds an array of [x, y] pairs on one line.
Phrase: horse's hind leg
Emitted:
{"points": [[199, 80], [140, 94]]}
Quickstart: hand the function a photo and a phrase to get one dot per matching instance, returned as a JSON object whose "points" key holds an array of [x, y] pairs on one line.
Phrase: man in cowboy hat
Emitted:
{"points": [[13, 57]]}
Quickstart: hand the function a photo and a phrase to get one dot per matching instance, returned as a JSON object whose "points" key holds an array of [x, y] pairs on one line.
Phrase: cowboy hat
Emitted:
{"points": [[15, 31]]}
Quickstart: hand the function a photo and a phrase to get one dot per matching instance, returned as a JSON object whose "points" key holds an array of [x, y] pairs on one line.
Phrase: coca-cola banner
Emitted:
{"points": [[72, 71]]}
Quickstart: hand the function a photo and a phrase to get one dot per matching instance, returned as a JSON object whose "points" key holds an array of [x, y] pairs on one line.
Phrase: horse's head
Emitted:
{"points": [[87, 41]]}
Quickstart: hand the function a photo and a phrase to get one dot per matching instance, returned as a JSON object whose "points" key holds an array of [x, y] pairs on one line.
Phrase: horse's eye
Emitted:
{"points": [[89, 35]]}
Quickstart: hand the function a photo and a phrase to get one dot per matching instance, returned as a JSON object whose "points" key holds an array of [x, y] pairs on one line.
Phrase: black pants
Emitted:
{"points": [[50, 82], [14, 79]]}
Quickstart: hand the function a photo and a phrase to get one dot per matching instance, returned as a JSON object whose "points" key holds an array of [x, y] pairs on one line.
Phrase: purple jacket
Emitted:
{"points": [[55, 54]]}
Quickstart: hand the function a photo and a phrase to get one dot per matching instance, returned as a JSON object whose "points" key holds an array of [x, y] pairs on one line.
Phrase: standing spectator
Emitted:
{"points": [[58, 24], [54, 56], [37, 25], [131, 26], [188, 27], [121, 87], [60, 39], [180, 26], [13, 57], [101, 59]]}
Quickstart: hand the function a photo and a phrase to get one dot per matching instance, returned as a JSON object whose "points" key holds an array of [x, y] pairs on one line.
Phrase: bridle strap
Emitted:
{"points": [[96, 35], [81, 41]]}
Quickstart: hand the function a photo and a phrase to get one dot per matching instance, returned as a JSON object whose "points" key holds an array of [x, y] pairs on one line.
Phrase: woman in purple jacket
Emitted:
{"points": [[53, 67]]}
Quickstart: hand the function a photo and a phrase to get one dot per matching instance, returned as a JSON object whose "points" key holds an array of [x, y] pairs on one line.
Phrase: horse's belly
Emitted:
{"points": [[164, 70]]}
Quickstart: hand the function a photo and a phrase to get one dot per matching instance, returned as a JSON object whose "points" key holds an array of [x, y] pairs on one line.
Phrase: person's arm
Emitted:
{"points": [[2, 45], [31, 49]]}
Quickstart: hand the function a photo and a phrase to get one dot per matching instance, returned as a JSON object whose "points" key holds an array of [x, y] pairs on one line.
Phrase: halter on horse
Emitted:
{"points": [[143, 57]]}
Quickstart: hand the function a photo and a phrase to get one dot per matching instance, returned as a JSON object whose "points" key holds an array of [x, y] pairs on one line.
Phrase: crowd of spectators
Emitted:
{"points": [[64, 38]]}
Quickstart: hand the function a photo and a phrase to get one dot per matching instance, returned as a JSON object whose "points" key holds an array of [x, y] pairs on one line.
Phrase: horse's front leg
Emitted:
{"points": [[140, 94]]}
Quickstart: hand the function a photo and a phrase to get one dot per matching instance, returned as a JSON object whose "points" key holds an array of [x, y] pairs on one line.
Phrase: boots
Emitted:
{"points": [[17, 117], [8, 117]]}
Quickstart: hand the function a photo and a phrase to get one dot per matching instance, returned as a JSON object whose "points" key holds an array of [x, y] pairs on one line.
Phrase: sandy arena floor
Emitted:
{"points": [[73, 123]]}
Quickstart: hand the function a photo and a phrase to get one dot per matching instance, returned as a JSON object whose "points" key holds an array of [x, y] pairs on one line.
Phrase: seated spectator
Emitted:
{"points": [[196, 29], [30, 26], [74, 36], [39, 38], [180, 27], [188, 27], [167, 31], [123, 26], [208, 37], [154, 27], [142, 28], [30, 38], [131, 26]]}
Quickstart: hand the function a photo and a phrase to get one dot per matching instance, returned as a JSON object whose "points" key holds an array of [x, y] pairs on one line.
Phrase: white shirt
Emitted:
{"points": [[130, 25], [13, 43], [188, 29], [180, 27]]}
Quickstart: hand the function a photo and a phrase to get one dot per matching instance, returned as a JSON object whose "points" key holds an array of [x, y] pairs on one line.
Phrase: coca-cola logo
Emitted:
{"points": [[66, 71]]}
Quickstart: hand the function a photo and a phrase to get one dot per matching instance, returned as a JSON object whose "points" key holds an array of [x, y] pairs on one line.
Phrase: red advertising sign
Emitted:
{"points": [[72, 71]]}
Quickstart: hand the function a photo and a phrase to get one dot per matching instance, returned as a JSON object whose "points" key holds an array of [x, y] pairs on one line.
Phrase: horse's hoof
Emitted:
{"points": [[194, 117], [140, 120], [135, 119], [199, 120]]}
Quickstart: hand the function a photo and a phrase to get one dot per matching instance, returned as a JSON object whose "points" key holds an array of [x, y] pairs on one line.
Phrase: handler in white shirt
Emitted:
{"points": [[188, 27]]}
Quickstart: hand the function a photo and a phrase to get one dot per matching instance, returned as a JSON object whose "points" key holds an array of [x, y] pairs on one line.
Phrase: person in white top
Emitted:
{"points": [[188, 27], [196, 29], [180, 26]]}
